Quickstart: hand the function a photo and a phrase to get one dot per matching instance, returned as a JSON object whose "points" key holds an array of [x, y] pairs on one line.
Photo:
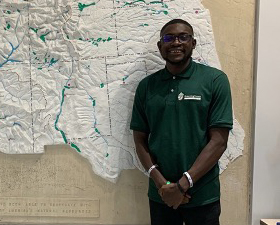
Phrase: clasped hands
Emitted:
{"points": [[172, 196]]}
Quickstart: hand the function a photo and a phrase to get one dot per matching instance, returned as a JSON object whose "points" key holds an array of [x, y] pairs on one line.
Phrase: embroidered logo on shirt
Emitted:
{"points": [[192, 97], [182, 96]]}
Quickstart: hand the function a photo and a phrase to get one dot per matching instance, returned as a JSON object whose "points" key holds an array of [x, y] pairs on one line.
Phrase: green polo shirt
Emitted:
{"points": [[177, 112]]}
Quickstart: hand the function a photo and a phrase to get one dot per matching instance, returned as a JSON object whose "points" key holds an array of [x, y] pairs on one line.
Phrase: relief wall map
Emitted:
{"points": [[69, 70]]}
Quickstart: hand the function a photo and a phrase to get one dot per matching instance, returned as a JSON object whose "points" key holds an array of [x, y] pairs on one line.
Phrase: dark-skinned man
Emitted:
{"points": [[181, 119]]}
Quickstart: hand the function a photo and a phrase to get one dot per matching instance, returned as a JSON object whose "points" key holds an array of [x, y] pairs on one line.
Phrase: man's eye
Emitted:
{"points": [[168, 38], [184, 37]]}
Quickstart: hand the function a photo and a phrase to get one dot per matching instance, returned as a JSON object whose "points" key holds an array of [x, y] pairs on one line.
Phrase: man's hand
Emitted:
{"points": [[172, 196], [186, 200]]}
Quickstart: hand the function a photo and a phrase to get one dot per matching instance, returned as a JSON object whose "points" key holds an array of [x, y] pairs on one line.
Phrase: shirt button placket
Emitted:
{"points": [[172, 90], [171, 97]]}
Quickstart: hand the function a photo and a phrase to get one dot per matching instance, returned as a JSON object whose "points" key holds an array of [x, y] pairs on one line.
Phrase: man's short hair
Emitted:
{"points": [[174, 21]]}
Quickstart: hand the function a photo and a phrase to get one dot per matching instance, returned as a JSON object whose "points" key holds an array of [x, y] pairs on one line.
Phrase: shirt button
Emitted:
{"points": [[174, 77], [172, 90]]}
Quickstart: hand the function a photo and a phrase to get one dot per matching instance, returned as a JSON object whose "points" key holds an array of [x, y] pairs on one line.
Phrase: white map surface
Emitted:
{"points": [[69, 69]]}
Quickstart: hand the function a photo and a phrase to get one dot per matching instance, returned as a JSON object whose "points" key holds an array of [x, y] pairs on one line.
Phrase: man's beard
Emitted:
{"points": [[183, 61]]}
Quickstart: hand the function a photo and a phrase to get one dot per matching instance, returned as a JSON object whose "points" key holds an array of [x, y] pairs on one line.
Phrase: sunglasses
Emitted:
{"points": [[183, 38]]}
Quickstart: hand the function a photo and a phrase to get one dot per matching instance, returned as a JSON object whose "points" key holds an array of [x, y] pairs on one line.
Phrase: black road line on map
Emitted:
{"points": [[146, 67], [91, 58], [109, 106], [31, 93], [116, 28], [90, 137]]}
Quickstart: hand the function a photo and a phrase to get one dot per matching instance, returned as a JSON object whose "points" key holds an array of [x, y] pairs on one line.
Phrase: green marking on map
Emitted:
{"points": [[97, 41], [156, 2], [156, 11], [101, 85], [82, 6], [42, 37], [53, 61], [159, 2], [40, 68], [64, 136], [153, 2], [144, 25], [159, 11], [8, 26], [56, 121], [97, 131], [93, 103], [125, 77], [34, 29], [75, 146], [131, 3], [107, 155], [9, 12]]}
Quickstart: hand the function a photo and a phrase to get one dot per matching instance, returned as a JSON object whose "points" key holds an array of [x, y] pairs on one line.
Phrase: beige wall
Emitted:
{"points": [[63, 174], [233, 25]]}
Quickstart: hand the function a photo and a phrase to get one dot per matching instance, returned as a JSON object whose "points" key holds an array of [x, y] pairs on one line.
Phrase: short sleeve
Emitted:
{"points": [[139, 121], [220, 112]]}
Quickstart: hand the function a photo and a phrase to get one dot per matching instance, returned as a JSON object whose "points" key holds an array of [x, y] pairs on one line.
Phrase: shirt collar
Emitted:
{"points": [[186, 73]]}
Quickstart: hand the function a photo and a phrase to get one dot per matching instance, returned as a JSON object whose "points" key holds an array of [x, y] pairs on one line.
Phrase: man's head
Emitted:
{"points": [[174, 21], [176, 42]]}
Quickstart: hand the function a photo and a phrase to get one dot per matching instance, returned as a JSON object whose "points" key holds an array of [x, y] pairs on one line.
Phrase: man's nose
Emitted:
{"points": [[176, 41]]}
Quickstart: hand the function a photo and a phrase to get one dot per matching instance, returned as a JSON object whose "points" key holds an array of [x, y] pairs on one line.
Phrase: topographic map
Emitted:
{"points": [[69, 69]]}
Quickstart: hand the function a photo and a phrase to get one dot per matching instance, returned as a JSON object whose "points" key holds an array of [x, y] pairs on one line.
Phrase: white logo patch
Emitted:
{"points": [[182, 96], [192, 97]]}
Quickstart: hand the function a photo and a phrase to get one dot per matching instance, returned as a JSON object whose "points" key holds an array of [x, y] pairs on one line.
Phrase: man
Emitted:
{"points": [[181, 119]]}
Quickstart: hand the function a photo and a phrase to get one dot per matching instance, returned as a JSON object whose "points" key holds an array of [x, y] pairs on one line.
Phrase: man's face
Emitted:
{"points": [[176, 52]]}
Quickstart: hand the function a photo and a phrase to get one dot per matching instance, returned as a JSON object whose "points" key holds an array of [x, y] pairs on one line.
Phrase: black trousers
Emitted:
{"points": [[162, 214]]}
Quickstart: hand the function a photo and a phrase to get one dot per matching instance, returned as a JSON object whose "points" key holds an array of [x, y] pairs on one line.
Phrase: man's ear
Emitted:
{"points": [[159, 45], [194, 43]]}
